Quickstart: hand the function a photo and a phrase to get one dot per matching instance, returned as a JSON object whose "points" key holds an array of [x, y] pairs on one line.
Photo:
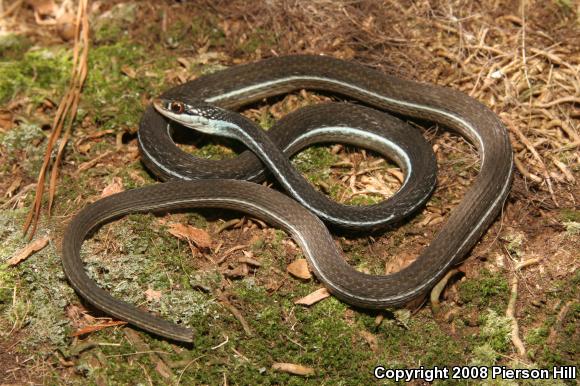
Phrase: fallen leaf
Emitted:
{"points": [[199, 237], [84, 148], [152, 295], [299, 269], [114, 187], [314, 297], [292, 368], [28, 250], [402, 260]]}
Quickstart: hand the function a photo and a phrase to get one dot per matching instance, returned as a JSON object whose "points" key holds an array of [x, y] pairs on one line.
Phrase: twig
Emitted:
{"points": [[522, 169], [567, 99], [237, 314], [511, 308], [524, 140], [557, 324], [13, 7], [66, 111], [524, 59], [510, 313], [526, 263]]}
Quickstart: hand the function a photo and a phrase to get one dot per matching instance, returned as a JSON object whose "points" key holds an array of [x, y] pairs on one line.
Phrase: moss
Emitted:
{"points": [[572, 228], [112, 26], [490, 290], [258, 38], [112, 97], [423, 338], [206, 26], [7, 282], [484, 355], [201, 29], [21, 145], [537, 336], [214, 151], [566, 6], [570, 215], [364, 200], [314, 159], [39, 302], [40, 72], [315, 162], [145, 256], [515, 242], [13, 47], [267, 120], [318, 337], [496, 331], [564, 351]]}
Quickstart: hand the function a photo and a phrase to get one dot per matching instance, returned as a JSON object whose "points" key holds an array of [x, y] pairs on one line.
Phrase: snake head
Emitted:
{"points": [[198, 115]]}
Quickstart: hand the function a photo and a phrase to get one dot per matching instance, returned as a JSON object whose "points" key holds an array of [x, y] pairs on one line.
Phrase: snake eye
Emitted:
{"points": [[177, 107]]}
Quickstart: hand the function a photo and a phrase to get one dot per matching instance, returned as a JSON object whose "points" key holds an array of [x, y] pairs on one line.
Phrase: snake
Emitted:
{"points": [[208, 103]]}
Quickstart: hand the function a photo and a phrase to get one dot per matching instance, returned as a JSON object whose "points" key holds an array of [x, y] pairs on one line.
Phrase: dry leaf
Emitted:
{"points": [[199, 237], [152, 295], [28, 250], [84, 148], [114, 187], [402, 260], [299, 269], [314, 297], [292, 368]]}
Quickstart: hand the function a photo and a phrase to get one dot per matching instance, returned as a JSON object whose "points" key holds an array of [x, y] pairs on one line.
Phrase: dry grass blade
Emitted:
{"points": [[523, 139], [66, 113], [96, 327]]}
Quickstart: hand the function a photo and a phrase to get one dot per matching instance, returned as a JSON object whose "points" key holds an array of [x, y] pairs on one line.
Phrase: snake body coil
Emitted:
{"points": [[245, 84]]}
